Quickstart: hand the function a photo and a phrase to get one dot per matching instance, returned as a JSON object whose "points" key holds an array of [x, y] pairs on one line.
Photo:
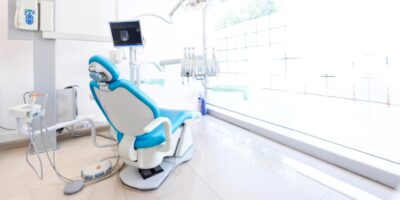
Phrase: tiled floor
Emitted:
{"points": [[229, 163]]}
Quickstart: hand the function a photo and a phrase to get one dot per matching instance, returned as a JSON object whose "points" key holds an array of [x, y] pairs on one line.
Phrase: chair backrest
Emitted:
{"points": [[125, 106]]}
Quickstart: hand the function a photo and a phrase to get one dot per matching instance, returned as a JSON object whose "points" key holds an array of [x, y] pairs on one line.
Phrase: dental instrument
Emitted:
{"points": [[197, 66], [30, 122]]}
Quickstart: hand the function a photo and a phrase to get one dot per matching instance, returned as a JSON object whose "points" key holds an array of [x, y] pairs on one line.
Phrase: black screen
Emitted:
{"points": [[126, 33]]}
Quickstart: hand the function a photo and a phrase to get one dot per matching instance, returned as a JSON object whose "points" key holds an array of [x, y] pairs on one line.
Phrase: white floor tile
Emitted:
{"points": [[30, 195], [252, 182], [16, 176], [183, 176], [197, 191], [229, 163], [104, 190], [332, 195]]}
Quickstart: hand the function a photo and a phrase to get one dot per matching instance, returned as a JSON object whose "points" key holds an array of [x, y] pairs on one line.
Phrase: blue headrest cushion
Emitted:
{"points": [[104, 70]]}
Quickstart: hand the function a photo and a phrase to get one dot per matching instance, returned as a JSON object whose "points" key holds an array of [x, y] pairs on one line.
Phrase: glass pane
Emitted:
{"points": [[328, 69]]}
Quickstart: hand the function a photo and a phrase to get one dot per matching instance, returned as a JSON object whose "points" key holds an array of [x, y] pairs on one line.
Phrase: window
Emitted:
{"points": [[328, 69]]}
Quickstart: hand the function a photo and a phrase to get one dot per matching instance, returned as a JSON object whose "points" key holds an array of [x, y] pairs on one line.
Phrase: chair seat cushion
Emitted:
{"points": [[157, 136]]}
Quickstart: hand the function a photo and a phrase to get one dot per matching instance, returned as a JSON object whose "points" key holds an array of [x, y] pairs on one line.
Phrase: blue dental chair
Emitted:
{"points": [[152, 141]]}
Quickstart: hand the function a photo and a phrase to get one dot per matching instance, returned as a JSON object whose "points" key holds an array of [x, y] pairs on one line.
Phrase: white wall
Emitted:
{"points": [[163, 41], [72, 69], [16, 65], [84, 17], [72, 56]]}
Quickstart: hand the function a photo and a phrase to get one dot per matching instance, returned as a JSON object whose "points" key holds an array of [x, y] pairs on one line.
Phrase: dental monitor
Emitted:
{"points": [[126, 33]]}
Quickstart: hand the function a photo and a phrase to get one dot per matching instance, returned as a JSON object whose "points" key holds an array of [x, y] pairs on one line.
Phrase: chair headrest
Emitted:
{"points": [[102, 70]]}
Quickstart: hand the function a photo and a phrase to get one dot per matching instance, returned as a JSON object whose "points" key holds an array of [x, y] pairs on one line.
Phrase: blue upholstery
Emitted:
{"points": [[107, 64], [157, 136], [177, 117], [153, 138]]}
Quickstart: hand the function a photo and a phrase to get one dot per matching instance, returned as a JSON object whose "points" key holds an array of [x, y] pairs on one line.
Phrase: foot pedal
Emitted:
{"points": [[97, 170], [147, 173]]}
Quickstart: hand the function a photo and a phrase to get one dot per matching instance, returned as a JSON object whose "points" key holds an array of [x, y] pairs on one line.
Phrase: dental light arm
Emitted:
{"points": [[176, 7], [190, 3], [153, 15]]}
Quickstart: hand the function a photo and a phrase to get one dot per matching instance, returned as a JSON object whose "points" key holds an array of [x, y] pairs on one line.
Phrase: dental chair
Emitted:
{"points": [[152, 141]]}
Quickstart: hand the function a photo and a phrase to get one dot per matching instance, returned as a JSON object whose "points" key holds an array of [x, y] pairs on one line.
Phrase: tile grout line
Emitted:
{"points": [[206, 182], [326, 194]]}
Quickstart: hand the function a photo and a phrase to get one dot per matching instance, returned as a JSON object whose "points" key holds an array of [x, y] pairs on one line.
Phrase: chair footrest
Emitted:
{"points": [[147, 173], [131, 177]]}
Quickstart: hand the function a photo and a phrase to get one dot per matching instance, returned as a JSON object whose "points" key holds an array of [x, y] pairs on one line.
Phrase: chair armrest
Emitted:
{"points": [[167, 129], [157, 122]]}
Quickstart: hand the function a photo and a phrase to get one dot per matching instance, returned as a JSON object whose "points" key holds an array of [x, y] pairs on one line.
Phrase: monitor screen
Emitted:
{"points": [[126, 33]]}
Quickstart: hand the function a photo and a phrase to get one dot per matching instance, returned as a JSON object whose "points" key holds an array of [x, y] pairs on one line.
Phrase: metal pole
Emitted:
{"points": [[205, 49], [137, 69], [133, 67], [117, 10], [131, 64]]}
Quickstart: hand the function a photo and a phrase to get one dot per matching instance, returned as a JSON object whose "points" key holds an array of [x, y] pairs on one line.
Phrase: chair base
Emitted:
{"points": [[131, 177]]}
